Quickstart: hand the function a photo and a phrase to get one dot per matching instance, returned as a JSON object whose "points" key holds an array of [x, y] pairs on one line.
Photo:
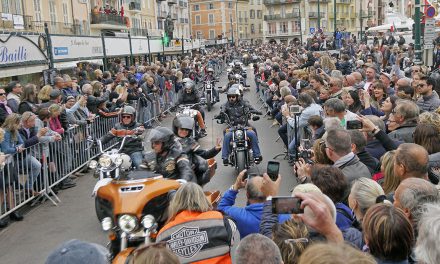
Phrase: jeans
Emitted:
{"points": [[292, 148], [136, 158], [34, 169], [254, 144], [282, 131]]}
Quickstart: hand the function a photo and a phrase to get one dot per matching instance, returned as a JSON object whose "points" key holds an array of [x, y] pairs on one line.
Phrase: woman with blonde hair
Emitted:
{"points": [[364, 194], [44, 94], [190, 207], [11, 144], [292, 238], [327, 65]]}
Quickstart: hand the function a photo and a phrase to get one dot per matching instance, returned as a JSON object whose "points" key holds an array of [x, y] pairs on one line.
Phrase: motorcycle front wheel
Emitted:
{"points": [[208, 102], [241, 161]]}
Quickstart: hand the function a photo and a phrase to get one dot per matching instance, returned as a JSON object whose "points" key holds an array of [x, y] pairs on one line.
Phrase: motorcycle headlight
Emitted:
{"points": [[106, 223], [208, 86], [148, 221], [127, 223], [239, 134], [105, 161], [93, 164], [118, 161]]}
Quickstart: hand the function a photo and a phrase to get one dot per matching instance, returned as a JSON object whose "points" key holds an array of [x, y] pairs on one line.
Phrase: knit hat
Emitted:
{"points": [[78, 252]]}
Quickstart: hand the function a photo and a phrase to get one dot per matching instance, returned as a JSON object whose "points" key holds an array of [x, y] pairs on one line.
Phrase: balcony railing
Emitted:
{"points": [[38, 27], [343, 1], [108, 19], [143, 32], [8, 25], [279, 16], [315, 14], [134, 6], [280, 2], [172, 2], [282, 33]]}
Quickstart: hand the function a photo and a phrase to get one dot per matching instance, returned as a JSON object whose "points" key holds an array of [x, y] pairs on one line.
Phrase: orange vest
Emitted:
{"points": [[198, 237]]}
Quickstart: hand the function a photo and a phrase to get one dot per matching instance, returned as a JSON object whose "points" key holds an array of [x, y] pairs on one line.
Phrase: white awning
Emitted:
{"points": [[72, 64], [22, 70]]}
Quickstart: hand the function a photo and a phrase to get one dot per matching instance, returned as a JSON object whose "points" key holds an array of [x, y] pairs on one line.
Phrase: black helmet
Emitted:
{"points": [[184, 122], [128, 110], [190, 85], [164, 135]]}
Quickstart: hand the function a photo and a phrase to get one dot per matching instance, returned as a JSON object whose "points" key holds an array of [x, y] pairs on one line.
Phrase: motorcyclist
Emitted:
{"points": [[182, 128], [236, 110], [233, 79], [167, 157], [239, 70], [128, 127], [209, 77], [189, 95]]}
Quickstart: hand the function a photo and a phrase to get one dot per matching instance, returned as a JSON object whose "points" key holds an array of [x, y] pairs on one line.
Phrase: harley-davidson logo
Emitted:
{"points": [[170, 166], [187, 241]]}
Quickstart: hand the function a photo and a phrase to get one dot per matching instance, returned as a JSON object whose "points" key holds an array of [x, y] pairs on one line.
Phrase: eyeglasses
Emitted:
{"points": [[126, 117], [2, 94]]}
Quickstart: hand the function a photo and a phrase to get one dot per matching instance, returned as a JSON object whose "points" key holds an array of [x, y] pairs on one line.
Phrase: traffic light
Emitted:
{"points": [[165, 40]]}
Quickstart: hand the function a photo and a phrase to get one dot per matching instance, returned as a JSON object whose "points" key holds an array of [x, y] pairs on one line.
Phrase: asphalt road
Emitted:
{"points": [[46, 226]]}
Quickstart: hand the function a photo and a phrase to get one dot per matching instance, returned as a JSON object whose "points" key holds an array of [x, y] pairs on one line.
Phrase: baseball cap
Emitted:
{"points": [[54, 93], [78, 252]]}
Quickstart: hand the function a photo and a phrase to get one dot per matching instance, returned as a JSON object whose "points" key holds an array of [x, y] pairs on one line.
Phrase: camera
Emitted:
{"points": [[294, 109], [286, 205], [306, 154]]}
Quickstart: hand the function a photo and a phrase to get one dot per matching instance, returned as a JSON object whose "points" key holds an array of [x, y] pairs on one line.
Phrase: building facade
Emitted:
{"points": [[256, 20], [282, 20], [213, 20]]}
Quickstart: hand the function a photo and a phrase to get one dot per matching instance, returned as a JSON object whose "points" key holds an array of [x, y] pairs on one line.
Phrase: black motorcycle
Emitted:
{"points": [[241, 155], [208, 94]]}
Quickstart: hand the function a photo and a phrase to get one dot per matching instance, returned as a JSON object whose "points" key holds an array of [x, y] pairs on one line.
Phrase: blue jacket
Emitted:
{"points": [[247, 219], [8, 146]]}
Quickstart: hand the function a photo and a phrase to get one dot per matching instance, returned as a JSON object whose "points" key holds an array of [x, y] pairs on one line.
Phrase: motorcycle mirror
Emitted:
{"points": [[255, 118], [219, 122]]}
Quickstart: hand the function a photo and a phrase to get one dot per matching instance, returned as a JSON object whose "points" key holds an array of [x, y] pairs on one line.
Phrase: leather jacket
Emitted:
{"points": [[236, 112], [131, 145], [188, 98], [173, 165]]}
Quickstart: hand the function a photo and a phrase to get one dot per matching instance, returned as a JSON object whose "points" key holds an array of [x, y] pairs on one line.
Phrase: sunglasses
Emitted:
{"points": [[126, 117], [2, 94], [232, 96]]}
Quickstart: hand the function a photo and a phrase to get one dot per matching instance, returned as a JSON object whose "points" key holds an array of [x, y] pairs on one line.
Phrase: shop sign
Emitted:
{"points": [[74, 47], [117, 46], [16, 49]]}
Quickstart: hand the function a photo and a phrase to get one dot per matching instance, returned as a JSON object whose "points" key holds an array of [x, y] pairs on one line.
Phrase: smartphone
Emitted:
{"points": [[286, 205], [273, 169], [354, 124]]}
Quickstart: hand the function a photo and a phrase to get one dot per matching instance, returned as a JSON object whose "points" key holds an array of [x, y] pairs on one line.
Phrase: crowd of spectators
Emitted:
{"points": [[33, 116]]}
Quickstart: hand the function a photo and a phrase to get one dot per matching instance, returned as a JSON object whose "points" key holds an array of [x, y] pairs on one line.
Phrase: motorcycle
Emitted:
{"points": [[187, 110], [208, 93], [241, 155], [112, 162], [135, 208]]}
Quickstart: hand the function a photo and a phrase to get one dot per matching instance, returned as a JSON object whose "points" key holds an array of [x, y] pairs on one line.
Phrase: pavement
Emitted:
{"points": [[46, 226]]}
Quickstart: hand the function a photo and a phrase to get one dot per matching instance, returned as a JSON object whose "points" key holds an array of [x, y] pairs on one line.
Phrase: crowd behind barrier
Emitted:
{"points": [[31, 172]]}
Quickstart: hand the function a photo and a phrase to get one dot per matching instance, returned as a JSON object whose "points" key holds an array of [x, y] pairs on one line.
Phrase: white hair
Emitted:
{"points": [[426, 249]]}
